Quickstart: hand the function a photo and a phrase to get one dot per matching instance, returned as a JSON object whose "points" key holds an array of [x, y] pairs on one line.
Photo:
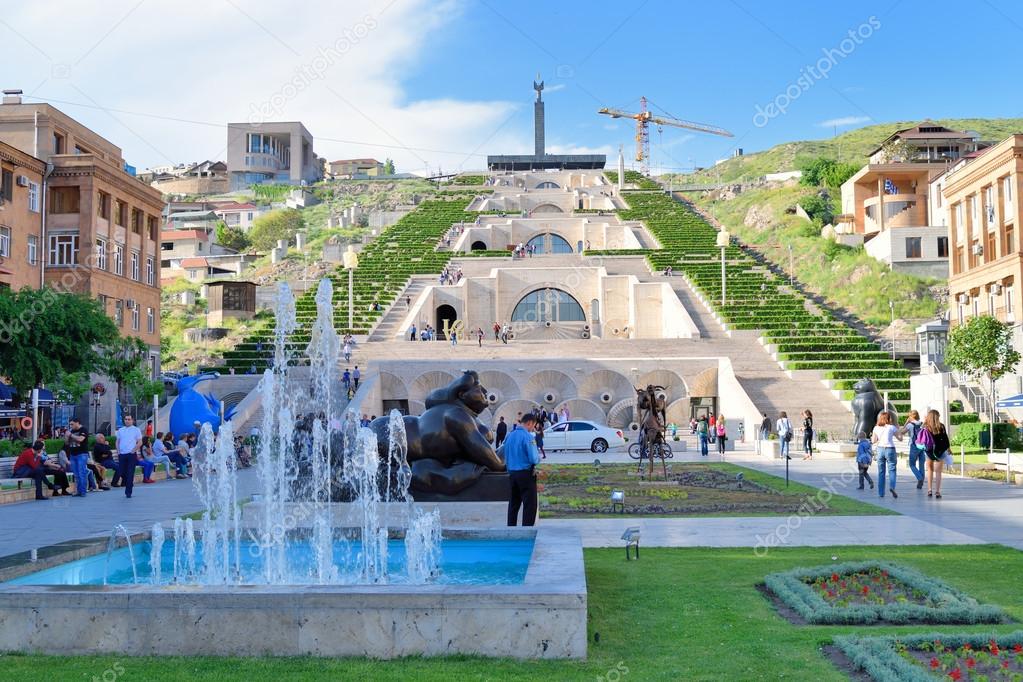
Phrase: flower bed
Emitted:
{"points": [[873, 592], [938, 656]]}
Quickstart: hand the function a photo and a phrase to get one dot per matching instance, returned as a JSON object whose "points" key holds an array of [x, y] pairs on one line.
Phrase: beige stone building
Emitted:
{"points": [[350, 168], [100, 225], [982, 200], [21, 218]]}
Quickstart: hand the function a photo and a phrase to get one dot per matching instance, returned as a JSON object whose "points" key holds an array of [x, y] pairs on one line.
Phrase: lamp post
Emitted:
{"points": [[351, 261], [791, 269], [722, 243], [891, 307]]}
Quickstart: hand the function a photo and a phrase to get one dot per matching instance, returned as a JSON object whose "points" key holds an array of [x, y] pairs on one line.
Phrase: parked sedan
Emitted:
{"points": [[582, 435]]}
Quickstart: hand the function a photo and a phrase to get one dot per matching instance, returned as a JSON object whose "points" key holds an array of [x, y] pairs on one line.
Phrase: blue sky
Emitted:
{"points": [[439, 84]]}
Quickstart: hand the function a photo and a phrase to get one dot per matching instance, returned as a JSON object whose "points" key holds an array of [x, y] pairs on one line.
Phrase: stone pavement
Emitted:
{"points": [[972, 511]]}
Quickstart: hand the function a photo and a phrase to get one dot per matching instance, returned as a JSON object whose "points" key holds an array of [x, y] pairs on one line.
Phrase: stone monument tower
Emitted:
{"points": [[538, 123]]}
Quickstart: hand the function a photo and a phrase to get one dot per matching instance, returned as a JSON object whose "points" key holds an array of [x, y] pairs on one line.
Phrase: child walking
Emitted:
{"points": [[863, 459]]}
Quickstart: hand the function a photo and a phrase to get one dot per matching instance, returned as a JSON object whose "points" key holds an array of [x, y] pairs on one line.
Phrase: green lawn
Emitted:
{"points": [[691, 614]]}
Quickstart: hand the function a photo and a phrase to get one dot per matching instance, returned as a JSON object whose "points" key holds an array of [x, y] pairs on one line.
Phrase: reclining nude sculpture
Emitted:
{"points": [[449, 449]]}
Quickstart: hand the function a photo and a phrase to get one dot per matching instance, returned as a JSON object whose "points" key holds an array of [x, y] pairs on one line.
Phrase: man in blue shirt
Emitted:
{"points": [[521, 456]]}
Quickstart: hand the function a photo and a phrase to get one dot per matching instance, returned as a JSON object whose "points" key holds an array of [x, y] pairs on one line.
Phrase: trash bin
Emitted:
{"points": [[985, 438]]}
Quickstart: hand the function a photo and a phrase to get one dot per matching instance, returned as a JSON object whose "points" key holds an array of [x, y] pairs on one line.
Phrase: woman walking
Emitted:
{"points": [[784, 428], [917, 456], [539, 440], [884, 436], [807, 434], [936, 456], [722, 435]]}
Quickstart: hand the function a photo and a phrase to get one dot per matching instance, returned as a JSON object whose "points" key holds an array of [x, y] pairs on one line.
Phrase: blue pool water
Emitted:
{"points": [[463, 562]]}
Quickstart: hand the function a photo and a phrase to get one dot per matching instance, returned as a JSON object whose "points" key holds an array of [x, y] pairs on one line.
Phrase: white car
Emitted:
{"points": [[576, 434]]}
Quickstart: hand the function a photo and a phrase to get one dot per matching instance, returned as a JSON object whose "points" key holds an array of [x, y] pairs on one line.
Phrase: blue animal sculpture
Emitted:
{"points": [[192, 406]]}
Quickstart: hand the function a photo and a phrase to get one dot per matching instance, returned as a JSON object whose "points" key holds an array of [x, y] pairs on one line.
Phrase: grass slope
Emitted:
{"points": [[692, 614], [853, 145]]}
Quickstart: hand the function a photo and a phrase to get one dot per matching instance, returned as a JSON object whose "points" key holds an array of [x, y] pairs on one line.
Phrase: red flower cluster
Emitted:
{"points": [[955, 674]]}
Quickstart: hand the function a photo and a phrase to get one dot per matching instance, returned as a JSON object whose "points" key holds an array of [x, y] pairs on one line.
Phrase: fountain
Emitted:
{"points": [[300, 572]]}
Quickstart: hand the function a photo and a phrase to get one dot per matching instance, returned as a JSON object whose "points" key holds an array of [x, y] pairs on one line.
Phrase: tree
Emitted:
{"points": [[125, 362], [269, 227], [389, 167], [819, 209], [824, 172], [45, 334], [983, 346], [231, 237]]}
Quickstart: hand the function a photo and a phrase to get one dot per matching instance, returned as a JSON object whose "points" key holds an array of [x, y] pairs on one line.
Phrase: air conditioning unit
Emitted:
{"points": [[995, 289], [977, 250], [964, 299], [22, 181]]}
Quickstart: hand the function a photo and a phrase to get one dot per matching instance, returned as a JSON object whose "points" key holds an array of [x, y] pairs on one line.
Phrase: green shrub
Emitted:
{"points": [[968, 434], [957, 418]]}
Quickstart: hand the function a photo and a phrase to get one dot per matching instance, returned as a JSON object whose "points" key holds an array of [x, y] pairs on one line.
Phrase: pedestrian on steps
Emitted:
{"points": [[807, 434]]}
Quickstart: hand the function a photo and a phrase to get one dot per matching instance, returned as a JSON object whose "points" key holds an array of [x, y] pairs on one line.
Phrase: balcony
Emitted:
{"points": [[900, 210]]}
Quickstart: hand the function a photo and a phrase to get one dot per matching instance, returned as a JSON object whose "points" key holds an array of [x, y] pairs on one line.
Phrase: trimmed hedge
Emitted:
{"points": [[879, 656], [968, 434], [957, 418], [953, 606]]}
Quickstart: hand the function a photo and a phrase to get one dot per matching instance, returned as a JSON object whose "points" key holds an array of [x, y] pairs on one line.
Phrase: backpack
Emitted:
{"points": [[925, 440]]}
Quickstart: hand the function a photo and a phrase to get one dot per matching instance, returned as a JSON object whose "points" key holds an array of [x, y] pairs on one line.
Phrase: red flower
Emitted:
{"points": [[884, 573], [967, 647], [935, 662], [1018, 648], [842, 584], [866, 590], [834, 577], [971, 662], [955, 674], [1005, 664]]}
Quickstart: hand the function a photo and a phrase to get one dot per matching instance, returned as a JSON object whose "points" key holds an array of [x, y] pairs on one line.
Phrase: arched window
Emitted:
{"points": [[557, 244], [548, 305], [547, 184], [479, 246]]}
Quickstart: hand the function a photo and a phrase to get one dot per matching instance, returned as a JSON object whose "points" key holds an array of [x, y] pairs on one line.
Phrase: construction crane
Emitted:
{"points": [[644, 118]]}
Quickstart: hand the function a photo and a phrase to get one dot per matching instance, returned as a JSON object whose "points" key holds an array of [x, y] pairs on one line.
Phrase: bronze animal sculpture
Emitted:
{"points": [[652, 403]]}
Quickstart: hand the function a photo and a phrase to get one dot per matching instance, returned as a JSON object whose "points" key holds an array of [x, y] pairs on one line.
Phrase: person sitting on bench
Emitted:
{"points": [[30, 465]]}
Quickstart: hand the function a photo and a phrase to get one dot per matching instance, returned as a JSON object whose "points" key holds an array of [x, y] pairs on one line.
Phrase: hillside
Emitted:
{"points": [[853, 146]]}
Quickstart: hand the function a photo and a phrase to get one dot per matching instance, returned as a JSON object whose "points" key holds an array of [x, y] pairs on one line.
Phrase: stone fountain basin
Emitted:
{"points": [[543, 617]]}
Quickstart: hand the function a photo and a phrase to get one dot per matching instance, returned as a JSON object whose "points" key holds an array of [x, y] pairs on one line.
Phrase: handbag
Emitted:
{"points": [[947, 458]]}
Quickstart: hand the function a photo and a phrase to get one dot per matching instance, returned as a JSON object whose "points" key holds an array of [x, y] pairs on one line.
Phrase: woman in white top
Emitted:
{"points": [[784, 428], [884, 436]]}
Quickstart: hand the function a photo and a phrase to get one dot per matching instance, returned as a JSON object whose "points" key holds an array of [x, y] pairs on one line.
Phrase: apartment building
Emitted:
{"points": [[887, 201], [982, 199], [239, 215], [21, 218], [100, 225], [271, 153]]}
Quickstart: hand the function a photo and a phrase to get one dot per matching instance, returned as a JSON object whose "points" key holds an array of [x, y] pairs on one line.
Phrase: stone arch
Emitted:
{"points": [[675, 385], [606, 383], [532, 309], [558, 244], [478, 245], [444, 312], [510, 410], [549, 381], [500, 384], [546, 208], [678, 412], [622, 413], [705, 385], [426, 382], [416, 407], [581, 408], [392, 387], [547, 184]]}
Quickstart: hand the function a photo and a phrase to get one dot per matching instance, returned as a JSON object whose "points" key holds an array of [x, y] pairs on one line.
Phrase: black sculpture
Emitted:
{"points": [[449, 449], [867, 404]]}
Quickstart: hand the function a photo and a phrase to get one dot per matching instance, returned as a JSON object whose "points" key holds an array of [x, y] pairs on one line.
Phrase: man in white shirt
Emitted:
{"points": [[129, 444]]}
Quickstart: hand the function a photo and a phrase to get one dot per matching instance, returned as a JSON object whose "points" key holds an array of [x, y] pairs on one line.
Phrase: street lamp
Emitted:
{"points": [[351, 261], [723, 244], [891, 307]]}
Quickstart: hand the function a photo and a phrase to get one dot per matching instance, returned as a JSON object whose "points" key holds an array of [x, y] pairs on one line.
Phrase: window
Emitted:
{"points": [[976, 305], [548, 305], [6, 186], [59, 143], [150, 321], [942, 247], [79, 150], [118, 259], [101, 254], [255, 143], [960, 219], [165, 263], [1008, 241], [119, 313], [581, 426], [151, 227], [991, 253], [102, 298], [64, 200], [103, 205], [33, 249], [250, 216], [150, 272], [193, 274], [1010, 304], [135, 316], [961, 313], [63, 249], [973, 209], [120, 213], [5, 242], [990, 302], [1007, 190], [960, 260], [167, 246], [33, 197], [989, 205], [913, 247], [937, 195], [135, 265], [137, 218]]}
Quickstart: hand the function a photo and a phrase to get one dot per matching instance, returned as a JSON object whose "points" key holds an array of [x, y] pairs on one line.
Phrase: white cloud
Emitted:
{"points": [[843, 121], [554, 88], [221, 61]]}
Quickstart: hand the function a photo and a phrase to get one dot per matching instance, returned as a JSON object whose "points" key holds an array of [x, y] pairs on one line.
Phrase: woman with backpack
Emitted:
{"points": [[807, 434], [917, 456], [784, 428], [939, 445]]}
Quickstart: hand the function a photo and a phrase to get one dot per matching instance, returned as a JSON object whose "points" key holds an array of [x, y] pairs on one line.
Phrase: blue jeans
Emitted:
{"points": [[785, 447], [81, 472], [886, 459], [917, 457], [703, 444]]}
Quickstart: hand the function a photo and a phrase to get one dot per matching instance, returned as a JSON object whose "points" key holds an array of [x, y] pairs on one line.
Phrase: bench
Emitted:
{"points": [[26, 487], [7, 474]]}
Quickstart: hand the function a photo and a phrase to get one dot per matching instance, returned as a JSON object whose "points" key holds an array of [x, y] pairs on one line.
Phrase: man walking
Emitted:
{"points": [[502, 432], [129, 443], [346, 379], [497, 331], [77, 444], [356, 377], [521, 456], [765, 427]]}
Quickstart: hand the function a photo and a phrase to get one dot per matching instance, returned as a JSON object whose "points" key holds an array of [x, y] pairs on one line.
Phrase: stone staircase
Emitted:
{"points": [[388, 324]]}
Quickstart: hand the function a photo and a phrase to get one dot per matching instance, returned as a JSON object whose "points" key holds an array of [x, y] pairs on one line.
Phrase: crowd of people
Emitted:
{"points": [[86, 458], [450, 275]]}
